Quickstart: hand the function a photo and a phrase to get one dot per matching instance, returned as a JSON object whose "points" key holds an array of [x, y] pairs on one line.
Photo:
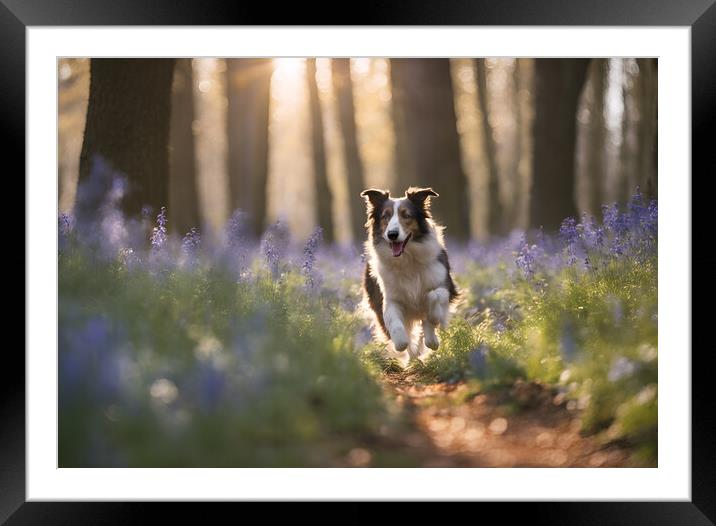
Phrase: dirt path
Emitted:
{"points": [[522, 426]]}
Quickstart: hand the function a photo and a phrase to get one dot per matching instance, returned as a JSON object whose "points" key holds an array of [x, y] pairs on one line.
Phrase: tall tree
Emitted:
{"points": [[128, 125], [322, 190], [248, 94], [495, 215], [343, 89], [524, 87], [183, 189], [648, 118], [427, 142], [627, 175], [558, 84], [596, 134]]}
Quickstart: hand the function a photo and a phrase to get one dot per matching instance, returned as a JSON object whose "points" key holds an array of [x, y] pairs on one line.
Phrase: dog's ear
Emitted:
{"points": [[374, 197], [421, 196]]}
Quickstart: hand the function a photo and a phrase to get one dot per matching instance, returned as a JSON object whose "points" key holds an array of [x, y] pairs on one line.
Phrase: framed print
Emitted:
{"points": [[359, 263]]}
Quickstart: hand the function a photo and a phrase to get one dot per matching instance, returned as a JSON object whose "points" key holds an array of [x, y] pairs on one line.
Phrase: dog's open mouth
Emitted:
{"points": [[398, 247]]}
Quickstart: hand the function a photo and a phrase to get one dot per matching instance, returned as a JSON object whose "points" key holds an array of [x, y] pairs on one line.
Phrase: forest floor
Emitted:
{"points": [[452, 425]]}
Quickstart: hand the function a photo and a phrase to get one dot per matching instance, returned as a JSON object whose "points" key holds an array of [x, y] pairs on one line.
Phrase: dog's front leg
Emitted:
{"points": [[438, 306], [395, 322], [431, 338]]}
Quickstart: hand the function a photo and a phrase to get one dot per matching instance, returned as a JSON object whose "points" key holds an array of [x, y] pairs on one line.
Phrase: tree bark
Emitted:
{"points": [[343, 89], [596, 137], [648, 118], [248, 93], [322, 189], [524, 70], [128, 125], [628, 173], [495, 215], [427, 142], [558, 83], [183, 188]]}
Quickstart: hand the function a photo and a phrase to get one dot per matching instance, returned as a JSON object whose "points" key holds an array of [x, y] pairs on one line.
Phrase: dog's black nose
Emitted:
{"points": [[393, 235]]}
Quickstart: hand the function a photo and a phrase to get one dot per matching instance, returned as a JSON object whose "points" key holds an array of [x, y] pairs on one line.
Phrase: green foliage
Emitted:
{"points": [[214, 372], [592, 334]]}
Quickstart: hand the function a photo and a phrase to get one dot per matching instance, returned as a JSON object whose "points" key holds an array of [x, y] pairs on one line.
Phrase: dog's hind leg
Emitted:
{"points": [[417, 346]]}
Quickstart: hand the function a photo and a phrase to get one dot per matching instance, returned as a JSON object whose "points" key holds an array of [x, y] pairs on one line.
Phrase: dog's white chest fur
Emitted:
{"points": [[408, 279]]}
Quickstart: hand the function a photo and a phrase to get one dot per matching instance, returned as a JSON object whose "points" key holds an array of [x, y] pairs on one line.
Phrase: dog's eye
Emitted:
{"points": [[406, 215]]}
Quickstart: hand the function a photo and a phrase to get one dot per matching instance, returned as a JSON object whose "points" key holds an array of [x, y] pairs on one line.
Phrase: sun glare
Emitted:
{"points": [[289, 68]]}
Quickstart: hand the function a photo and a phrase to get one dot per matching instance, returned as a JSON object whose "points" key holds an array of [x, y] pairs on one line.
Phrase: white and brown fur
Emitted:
{"points": [[410, 293]]}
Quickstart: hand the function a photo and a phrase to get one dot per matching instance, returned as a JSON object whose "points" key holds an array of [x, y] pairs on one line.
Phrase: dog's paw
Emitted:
{"points": [[431, 340], [400, 340]]}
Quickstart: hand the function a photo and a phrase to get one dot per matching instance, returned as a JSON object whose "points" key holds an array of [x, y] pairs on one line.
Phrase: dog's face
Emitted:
{"points": [[400, 221]]}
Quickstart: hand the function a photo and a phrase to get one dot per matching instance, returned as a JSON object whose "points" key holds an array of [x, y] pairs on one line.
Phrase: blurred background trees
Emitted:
{"points": [[508, 143], [183, 188]]}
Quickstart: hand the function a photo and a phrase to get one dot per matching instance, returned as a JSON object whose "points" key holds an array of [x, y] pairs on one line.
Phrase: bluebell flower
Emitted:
{"points": [[159, 233], [309, 259], [617, 225], [89, 361], [65, 223], [525, 260], [274, 246]]}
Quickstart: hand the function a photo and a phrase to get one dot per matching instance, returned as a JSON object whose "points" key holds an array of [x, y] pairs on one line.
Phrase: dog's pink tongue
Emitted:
{"points": [[397, 248]]}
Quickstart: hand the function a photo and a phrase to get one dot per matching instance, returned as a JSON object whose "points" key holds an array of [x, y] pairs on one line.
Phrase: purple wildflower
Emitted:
{"points": [[65, 224], [617, 224], [190, 243], [274, 246], [236, 232], [525, 260], [636, 209], [89, 361], [569, 234], [309, 258], [159, 234]]}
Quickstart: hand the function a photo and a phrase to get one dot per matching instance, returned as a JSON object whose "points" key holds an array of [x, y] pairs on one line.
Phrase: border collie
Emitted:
{"points": [[407, 281]]}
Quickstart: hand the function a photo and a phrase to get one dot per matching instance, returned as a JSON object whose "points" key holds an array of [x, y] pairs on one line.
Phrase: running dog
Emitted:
{"points": [[407, 281]]}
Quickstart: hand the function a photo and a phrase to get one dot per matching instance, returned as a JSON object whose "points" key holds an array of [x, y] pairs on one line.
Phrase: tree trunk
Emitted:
{"points": [[322, 190], [596, 137], [558, 83], [648, 108], [524, 69], [627, 174], [248, 93], [495, 217], [183, 190], [343, 89], [427, 142], [128, 125]]}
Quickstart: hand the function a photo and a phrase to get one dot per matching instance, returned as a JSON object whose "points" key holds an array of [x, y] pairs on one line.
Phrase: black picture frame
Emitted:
{"points": [[699, 15]]}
